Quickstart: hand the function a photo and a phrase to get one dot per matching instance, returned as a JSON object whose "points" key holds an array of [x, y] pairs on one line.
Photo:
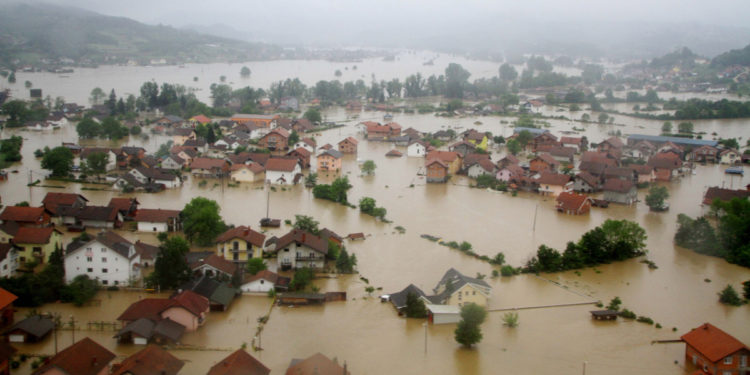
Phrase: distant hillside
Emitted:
{"points": [[733, 57], [33, 33]]}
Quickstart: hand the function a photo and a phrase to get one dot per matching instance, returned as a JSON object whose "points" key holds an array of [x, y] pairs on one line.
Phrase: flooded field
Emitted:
{"points": [[371, 338]]}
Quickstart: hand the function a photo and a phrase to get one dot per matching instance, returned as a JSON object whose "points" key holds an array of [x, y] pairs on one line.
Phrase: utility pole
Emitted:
{"points": [[73, 327], [584, 367], [425, 337], [535, 210]]}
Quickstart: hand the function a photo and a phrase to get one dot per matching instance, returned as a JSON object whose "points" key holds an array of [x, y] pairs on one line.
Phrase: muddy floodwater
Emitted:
{"points": [[369, 336]]}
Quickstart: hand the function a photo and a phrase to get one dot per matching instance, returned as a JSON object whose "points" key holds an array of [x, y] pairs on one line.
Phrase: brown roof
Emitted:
{"points": [[239, 363], [567, 152], [193, 302], [593, 167], [512, 159], [242, 232], [444, 156], [207, 163], [618, 172], [281, 164], [473, 158], [218, 262], [665, 160], [430, 162], [123, 204], [486, 164], [301, 151], [23, 214], [52, 200], [265, 275], [571, 201], [149, 308], [547, 158], [725, 195], [85, 357], [588, 178], [712, 342], [615, 142], [617, 185], [395, 153], [558, 179], [6, 298], [302, 237], [102, 213], [155, 215], [152, 360], [317, 364], [145, 250], [598, 157], [641, 169], [570, 140], [350, 140], [29, 235]]}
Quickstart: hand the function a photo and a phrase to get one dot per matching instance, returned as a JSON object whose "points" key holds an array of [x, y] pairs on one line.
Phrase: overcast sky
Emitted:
{"points": [[343, 22]]}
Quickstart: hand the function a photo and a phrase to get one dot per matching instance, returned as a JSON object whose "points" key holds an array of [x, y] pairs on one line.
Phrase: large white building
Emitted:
{"points": [[107, 257]]}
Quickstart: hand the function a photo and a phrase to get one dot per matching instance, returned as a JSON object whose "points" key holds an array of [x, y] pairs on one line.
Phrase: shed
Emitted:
{"points": [[31, 329], [301, 298], [604, 314], [443, 314]]}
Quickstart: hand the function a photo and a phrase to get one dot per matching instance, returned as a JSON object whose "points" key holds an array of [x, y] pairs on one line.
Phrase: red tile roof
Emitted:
{"points": [[350, 140], [571, 201], [202, 119], [317, 364], [52, 200], [558, 179], [712, 342], [123, 204], [30, 235], [430, 162], [193, 302], [207, 163], [547, 158], [570, 140], [23, 214], [152, 360], [281, 164], [218, 262], [614, 142], [665, 160], [617, 185], [244, 233], [85, 357], [444, 156], [725, 195], [6, 298], [155, 215], [588, 178], [304, 238], [395, 153], [149, 308], [239, 363]]}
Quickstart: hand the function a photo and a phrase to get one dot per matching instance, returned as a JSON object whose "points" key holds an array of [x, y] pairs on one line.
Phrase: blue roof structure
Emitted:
{"points": [[531, 130], [676, 140]]}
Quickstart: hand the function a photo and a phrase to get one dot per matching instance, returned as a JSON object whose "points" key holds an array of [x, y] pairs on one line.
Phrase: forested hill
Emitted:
{"points": [[33, 33], [733, 57]]}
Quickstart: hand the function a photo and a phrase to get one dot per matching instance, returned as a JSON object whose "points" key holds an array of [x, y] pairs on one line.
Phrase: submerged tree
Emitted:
{"points": [[467, 332]]}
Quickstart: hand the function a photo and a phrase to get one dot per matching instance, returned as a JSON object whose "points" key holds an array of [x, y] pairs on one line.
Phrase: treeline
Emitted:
{"points": [[10, 150], [615, 240], [729, 240], [36, 289]]}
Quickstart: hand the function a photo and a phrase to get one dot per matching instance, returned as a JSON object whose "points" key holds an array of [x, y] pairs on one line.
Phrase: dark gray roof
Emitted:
{"points": [[675, 140], [530, 130], [169, 329], [335, 153], [109, 239], [216, 292], [398, 299], [142, 327], [457, 280], [36, 325]]}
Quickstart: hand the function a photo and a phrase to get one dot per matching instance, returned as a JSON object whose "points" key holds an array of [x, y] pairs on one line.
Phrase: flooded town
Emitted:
{"points": [[370, 211]]}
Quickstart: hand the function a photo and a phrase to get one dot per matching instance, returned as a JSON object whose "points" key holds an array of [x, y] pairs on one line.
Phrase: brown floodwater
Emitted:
{"points": [[371, 338]]}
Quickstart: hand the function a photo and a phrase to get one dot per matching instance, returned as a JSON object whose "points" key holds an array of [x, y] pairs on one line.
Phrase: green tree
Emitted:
{"points": [[346, 263], [666, 128], [59, 160], [614, 304], [302, 278], [734, 229], [603, 118], [313, 115], [513, 146], [201, 221], [499, 259], [221, 94], [367, 204], [255, 265], [510, 319], [17, 111], [293, 138], [95, 164], [135, 130], [96, 96], [113, 129], [306, 223], [456, 78], [508, 73], [415, 307], [368, 167], [729, 296], [88, 128], [656, 197], [685, 127], [467, 332], [524, 137], [80, 290], [245, 72], [12, 78], [171, 268]]}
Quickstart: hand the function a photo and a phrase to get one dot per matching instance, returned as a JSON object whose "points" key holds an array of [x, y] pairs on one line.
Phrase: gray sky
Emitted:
{"points": [[459, 22]]}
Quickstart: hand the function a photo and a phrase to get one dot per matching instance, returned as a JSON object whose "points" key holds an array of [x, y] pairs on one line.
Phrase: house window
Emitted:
{"points": [[236, 246], [104, 260], [105, 282], [104, 249], [89, 270], [104, 270], [728, 360], [262, 282], [117, 282], [89, 259], [474, 293]]}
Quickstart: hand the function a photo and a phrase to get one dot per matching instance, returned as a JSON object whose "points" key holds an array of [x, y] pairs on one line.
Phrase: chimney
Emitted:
{"points": [[93, 361]]}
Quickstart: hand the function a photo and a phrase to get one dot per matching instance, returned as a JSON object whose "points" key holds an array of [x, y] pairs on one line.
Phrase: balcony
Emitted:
{"points": [[309, 258]]}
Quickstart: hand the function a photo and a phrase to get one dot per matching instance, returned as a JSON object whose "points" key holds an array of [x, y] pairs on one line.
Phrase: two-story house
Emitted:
{"points": [[240, 244], [712, 351], [298, 249], [456, 289], [107, 257], [36, 244], [329, 161]]}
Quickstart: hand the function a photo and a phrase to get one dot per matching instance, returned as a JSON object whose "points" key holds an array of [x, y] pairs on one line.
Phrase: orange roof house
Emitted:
{"points": [[573, 204], [26, 216], [149, 361], [348, 145], [317, 364], [713, 351], [451, 159], [200, 119], [85, 357], [239, 363]]}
